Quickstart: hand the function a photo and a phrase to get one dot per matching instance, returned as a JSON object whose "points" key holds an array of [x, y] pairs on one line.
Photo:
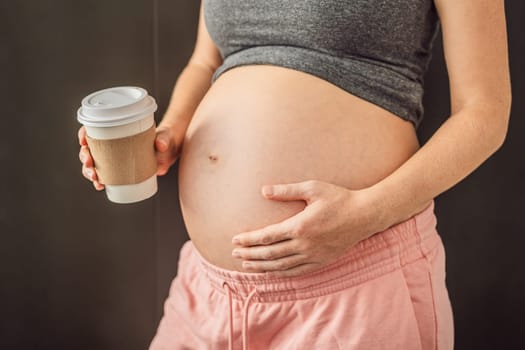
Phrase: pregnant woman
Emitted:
{"points": [[307, 197]]}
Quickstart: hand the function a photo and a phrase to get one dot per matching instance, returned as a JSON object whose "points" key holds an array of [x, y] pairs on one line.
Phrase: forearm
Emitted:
{"points": [[190, 87], [462, 143]]}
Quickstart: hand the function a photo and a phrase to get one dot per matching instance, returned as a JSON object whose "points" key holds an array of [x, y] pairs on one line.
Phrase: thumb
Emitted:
{"points": [[288, 192], [166, 152], [162, 140]]}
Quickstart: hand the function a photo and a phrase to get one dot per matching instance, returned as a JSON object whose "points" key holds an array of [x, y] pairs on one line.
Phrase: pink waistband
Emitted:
{"points": [[381, 253]]}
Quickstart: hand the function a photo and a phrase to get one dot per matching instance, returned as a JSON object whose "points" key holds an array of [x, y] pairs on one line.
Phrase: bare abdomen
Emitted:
{"points": [[262, 125]]}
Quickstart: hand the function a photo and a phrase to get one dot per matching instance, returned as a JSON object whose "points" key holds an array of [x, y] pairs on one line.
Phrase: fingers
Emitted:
{"points": [[291, 227], [268, 235], [98, 186], [266, 252], [88, 169], [88, 173], [91, 175], [275, 257], [281, 264], [85, 156], [293, 191], [82, 136]]}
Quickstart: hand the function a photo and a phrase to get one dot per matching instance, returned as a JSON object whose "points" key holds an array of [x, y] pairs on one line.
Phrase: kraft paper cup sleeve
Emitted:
{"points": [[125, 161]]}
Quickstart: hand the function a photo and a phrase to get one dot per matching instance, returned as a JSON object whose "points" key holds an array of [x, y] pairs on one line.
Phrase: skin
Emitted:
{"points": [[335, 218]]}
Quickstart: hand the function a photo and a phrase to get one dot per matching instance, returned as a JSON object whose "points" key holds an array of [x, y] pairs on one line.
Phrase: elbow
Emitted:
{"points": [[502, 137], [502, 110], [492, 120], [502, 117], [497, 128]]}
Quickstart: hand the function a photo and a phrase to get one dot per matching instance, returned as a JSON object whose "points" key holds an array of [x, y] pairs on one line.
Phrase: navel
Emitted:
{"points": [[212, 157]]}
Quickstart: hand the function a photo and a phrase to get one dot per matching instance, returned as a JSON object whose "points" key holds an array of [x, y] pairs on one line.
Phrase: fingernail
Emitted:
{"points": [[236, 254], [89, 173], [163, 142], [247, 264], [82, 158], [268, 191], [236, 240]]}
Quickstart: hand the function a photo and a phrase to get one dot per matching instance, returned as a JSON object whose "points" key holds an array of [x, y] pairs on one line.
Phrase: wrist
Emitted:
{"points": [[376, 206], [394, 203]]}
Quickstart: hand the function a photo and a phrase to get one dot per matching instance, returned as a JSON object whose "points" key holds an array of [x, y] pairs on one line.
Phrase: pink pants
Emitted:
{"points": [[387, 292]]}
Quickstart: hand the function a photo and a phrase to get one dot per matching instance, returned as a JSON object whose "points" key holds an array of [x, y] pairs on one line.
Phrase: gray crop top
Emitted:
{"points": [[378, 50]]}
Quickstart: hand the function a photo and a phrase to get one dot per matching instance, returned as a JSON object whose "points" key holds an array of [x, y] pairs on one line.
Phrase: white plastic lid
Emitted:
{"points": [[116, 106]]}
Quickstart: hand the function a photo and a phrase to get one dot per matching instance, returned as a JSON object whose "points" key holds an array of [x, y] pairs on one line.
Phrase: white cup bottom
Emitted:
{"points": [[132, 193]]}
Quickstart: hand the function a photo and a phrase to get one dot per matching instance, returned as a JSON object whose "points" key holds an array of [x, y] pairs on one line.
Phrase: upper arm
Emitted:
{"points": [[476, 53], [205, 52]]}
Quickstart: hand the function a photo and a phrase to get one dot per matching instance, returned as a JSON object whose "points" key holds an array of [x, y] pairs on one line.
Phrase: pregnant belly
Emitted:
{"points": [[261, 125]]}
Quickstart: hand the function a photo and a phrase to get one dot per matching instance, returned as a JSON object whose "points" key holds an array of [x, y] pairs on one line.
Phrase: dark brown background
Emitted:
{"points": [[78, 272]]}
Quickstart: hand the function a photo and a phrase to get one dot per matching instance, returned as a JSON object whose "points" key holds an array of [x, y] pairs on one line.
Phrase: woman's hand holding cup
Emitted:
{"points": [[167, 151], [88, 166]]}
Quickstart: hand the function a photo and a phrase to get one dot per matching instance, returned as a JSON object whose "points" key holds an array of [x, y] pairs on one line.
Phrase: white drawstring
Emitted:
{"points": [[244, 318]]}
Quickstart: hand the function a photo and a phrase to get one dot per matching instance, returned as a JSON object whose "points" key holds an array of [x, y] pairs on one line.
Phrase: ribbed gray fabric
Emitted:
{"points": [[378, 50]]}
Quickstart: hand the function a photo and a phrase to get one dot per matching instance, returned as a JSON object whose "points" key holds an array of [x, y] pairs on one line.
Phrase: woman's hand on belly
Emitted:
{"points": [[334, 219]]}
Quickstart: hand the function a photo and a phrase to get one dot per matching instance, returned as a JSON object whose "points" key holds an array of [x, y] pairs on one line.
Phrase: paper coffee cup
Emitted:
{"points": [[120, 130]]}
